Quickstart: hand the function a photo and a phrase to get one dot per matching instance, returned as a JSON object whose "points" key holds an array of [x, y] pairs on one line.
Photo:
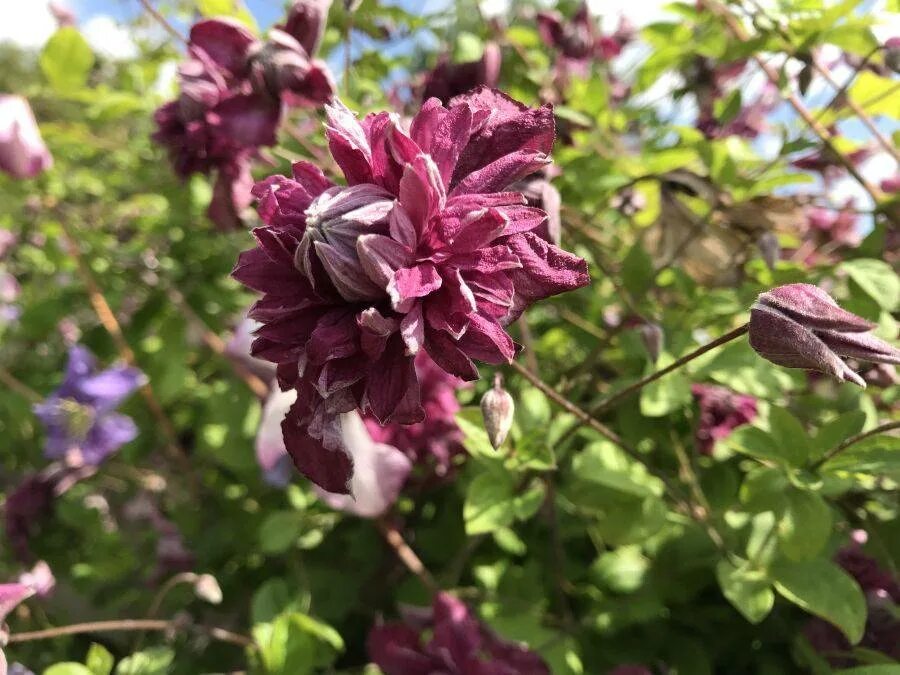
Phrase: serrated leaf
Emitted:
{"points": [[66, 60], [822, 588], [749, 591]]}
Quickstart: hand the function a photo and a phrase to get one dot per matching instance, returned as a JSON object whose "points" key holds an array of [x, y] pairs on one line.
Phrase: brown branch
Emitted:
{"points": [[127, 625], [737, 31], [853, 440], [406, 555], [19, 387], [162, 21]]}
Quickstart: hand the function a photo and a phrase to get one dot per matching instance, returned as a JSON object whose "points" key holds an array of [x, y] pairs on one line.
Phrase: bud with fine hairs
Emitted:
{"points": [[497, 409], [653, 337], [769, 248]]}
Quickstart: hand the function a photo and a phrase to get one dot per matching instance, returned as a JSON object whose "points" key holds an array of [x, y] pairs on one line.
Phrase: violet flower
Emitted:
{"points": [[457, 644], [22, 150], [721, 412], [882, 633], [230, 104], [801, 326], [422, 250], [82, 425], [448, 79]]}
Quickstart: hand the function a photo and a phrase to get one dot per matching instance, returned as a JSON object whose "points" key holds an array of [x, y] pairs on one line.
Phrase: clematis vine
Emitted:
{"points": [[459, 644], [801, 326], [79, 417], [423, 249], [721, 412], [232, 87], [22, 150]]}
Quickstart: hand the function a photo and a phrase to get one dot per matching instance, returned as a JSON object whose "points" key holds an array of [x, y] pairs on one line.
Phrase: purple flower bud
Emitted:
{"points": [[306, 23], [497, 409], [892, 54], [207, 588], [652, 336], [40, 579], [891, 185], [448, 79], [801, 326], [22, 150], [769, 248]]}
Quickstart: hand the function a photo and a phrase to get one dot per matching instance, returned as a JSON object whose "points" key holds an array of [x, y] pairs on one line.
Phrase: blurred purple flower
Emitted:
{"points": [[882, 591], [172, 554], [230, 104], [8, 239], [823, 161], [271, 455], [891, 185], [837, 226], [801, 326], [448, 79], [435, 442], [422, 250], [630, 669], [721, 412], [22, 150], [63, 13], [40, 579], [82, 425], [457, 644], [750, 121]]}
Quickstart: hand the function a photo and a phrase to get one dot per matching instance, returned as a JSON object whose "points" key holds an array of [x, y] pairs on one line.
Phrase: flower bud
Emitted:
{"points": [[892, 54], [801, 326], [207, 588], [334, 222], [306, 23], [497, 409], [769, 248], [22, 150], [652, 336]]}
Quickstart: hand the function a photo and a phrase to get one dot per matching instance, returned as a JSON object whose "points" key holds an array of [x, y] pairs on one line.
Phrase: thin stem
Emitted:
{"points": [[162, 21], [675, 365], [587, 419], [406, 555], [18, 386], [217, 345], [838, 449], [738, 32], [111, 324], [127, 625]]}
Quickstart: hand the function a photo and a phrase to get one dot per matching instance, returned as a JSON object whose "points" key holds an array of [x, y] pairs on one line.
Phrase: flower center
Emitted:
{"points": [[77, 418]]}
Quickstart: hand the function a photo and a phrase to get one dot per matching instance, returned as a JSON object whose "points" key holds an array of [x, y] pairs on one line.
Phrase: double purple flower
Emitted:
{"points": [[232, 90], [79, 417], [423, 249]]}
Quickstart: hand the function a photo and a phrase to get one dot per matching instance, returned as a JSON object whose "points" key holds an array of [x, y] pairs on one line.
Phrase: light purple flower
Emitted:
{"points": [[891, 185], [801, 326], [721, 412], [422, 250], [22, 150], [379, 472], [40, 579], [457, 644], [271, 455], [79, 417], [8, 239]]}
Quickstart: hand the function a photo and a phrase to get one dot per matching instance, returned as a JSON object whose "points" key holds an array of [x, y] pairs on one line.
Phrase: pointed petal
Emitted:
{"points": [[814, 308]]}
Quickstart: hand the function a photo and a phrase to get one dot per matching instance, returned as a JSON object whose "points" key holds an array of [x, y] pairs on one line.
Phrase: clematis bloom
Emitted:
{"points": [[721, 412], [448, 79], [82, 425], [459, 644], [424, 249], [22, 150], [801, 326]]}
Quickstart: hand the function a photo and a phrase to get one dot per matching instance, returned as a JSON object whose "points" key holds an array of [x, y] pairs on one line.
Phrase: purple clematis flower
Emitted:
{"points": [[82, 425], [232, 90], [721, 412], [882, 591], [424, 249], [578, 40], [22, 150], [891, 185], [459, 644], [823, 161], [838, 226], [801, 326], [448, 79], [750, 121]]}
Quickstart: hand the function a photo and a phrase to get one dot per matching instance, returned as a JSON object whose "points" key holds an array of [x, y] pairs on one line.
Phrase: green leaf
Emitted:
{"points": [[490, 503], [67, 668], [875, 456], [822, 588], [99, 661], [876, 95], [845, 425], [667, 394], [621, 570], [754, 442], [637, 270], [66, 60], [528, 503], [296, 644], [279, 531], [471, 424], [153, 661], [806, 525], [748, 590], [793, 441], [877, 279]]}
